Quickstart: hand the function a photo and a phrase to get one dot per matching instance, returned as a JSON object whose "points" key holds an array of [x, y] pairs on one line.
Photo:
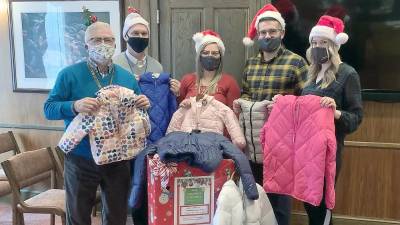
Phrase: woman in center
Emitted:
{"points": [[209, 78]]}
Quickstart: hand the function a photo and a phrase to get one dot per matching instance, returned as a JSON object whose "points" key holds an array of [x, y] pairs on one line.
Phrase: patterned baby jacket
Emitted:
{"points": [[117, 130]]}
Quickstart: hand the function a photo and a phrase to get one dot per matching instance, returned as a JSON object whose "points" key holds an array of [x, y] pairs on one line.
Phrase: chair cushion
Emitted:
{"points": [[49, 198], [5, 188], [3, 175]]}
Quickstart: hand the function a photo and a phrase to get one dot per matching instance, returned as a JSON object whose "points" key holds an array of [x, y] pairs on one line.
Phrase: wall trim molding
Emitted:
{"points": [[301, 218], [30, 127], [372, 144]]}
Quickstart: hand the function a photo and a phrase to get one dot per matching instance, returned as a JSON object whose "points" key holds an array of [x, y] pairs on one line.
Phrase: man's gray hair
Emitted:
{"points": [[94, 26]]}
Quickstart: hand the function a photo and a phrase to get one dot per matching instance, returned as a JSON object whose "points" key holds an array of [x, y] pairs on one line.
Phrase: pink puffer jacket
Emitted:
{"points": [[300, 150], [209, 115]]}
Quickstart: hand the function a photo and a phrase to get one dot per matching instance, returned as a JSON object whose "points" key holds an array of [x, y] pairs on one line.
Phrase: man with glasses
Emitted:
{"points": [[73, 93], [136, 33], [274, 70]]}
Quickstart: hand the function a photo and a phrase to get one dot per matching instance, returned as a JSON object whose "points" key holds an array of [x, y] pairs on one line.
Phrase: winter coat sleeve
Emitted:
{"points": [[177, 120], [139, 177], [172, 105], [58, 105], [76, 131], [330, 170], [267, 213], [229, 208], [233, 127], [352, 111], [243, 166]]}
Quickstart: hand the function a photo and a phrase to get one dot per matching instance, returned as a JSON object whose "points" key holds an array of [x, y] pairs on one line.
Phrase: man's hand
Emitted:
{"points": [[86, 105], [270, 106], [175, 85], [142, 102]]}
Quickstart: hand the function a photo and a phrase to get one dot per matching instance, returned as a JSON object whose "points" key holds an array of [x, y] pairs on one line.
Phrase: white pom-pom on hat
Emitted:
{"points": [[247, 41], [341, 38]]}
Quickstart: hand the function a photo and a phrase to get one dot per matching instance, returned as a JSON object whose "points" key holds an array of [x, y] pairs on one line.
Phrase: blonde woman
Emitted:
{"points": [[339, 86], [209, 78]]}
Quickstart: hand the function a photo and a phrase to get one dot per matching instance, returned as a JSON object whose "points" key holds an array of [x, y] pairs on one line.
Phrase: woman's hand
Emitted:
{"points": [[175, 85], [185, 103], [142, 102], [236, 106], [330, 102]]}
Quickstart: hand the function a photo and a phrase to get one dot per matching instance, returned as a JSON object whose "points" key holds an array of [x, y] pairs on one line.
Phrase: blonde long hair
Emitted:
{"points": [[330, 73], [200, 71]]}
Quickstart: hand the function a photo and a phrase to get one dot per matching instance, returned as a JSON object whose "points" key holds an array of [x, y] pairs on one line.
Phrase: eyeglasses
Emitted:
{"points": [[271, 32], [105, 40], [215, 54]]}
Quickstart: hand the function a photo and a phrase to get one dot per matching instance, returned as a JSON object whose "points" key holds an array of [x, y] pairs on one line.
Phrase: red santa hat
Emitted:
{"points": [[206, 37], [331, 28], [132, 19], [268, 11]]}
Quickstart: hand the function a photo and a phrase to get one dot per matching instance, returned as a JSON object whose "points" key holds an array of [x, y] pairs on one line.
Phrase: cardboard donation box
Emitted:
{"points": [[182, 195]]}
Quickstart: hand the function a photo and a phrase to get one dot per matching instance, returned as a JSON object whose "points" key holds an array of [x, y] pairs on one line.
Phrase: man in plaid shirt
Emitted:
{"points": [[274, 70]]}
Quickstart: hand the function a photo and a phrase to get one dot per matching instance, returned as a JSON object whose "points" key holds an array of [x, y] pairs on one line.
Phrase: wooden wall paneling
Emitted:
{"points": [[368, 184], [381, 123], [231, 23]]}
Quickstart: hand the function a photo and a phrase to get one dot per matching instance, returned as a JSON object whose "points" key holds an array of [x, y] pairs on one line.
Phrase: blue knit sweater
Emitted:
{"points": [[73, 83], [163, 103]]}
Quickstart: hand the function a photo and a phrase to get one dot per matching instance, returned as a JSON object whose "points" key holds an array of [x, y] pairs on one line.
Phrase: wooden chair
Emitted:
{"points": [[61, 155], [7, 144], [31, 167]]}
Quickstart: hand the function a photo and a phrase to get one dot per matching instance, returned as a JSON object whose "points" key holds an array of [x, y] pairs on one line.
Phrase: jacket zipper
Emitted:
{"points": [[251, 132]]}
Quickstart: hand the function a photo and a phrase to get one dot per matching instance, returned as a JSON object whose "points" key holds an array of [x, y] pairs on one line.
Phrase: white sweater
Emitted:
{"points": [[233, 208]]}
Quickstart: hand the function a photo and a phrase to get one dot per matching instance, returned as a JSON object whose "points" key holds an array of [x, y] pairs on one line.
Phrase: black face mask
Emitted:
{"points": [[269, 44], [320, 55], [210, 63], [138, 44]]}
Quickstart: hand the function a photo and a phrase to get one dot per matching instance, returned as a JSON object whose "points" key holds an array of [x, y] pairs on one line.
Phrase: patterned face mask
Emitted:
{"points": [[101, 53]]}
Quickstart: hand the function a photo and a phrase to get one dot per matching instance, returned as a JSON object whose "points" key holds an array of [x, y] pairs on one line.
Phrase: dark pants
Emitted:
{"points": [[82, 177], [320, 215], [281, 204], [140, 214]]}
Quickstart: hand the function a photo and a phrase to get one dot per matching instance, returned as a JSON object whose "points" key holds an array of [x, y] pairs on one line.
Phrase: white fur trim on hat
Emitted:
{"points": [[272, 14], [328, 32], [201, 39], [131, 20]]}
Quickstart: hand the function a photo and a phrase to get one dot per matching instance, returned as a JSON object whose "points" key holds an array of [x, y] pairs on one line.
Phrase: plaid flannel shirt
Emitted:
{"points": [[284, 74]]}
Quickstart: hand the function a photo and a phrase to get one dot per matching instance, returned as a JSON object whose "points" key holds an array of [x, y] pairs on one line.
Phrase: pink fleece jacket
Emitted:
{"points": [[210, 115], [300, 150]]}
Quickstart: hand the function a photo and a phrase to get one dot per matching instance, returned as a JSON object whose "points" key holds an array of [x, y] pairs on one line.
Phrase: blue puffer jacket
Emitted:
{"points": [[163, 103], [203, 150]]}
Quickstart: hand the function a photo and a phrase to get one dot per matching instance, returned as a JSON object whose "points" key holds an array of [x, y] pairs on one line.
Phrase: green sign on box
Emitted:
{"points": [[194, 196]]}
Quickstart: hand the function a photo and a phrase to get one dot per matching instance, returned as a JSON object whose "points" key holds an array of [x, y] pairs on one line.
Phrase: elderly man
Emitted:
{"points": [[73, 93], [136, 33]]}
